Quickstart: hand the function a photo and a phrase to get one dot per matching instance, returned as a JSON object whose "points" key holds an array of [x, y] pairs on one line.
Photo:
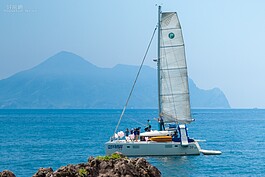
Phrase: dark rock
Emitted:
{"points": [[43, 172], [7, 173], [111, 167]]}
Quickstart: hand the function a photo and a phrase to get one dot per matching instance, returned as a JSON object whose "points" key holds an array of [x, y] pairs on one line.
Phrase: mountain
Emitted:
{"points": [[213, 98], [66, 80]]}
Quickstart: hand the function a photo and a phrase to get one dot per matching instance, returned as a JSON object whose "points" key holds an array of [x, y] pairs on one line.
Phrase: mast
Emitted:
{"points": [[158, 60]]}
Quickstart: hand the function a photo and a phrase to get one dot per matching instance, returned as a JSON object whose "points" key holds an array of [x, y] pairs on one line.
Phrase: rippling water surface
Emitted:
{"points": [[30, 139]]}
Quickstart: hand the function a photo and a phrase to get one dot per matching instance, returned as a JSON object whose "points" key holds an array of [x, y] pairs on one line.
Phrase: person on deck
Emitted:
{"points": [[148, 126], [127, 132], [159, 124], [137, 133], [162, 124]]}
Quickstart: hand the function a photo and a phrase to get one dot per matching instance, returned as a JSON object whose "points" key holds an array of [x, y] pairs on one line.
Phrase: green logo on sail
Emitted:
{"points": [[171, 35]]}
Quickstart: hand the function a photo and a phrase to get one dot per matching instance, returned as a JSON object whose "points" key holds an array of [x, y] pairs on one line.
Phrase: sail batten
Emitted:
{"points": [[174, 68], [173, 81], [172, 46]]}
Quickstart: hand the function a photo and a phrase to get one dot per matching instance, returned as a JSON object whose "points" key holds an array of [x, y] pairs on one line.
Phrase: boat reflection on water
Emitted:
{"points": [[182, 165]]}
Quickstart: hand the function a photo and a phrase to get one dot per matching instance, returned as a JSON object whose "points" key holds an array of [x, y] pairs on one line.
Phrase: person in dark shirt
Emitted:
{"points": [[136, 133], [127, 132], [162, 124], [148, 126]]}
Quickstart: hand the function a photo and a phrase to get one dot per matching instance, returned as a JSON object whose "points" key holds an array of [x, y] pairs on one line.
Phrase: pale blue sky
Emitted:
{"points": [[224, 38]]}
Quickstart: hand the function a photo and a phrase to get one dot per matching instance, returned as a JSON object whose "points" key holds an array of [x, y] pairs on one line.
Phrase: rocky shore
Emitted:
{"points": [[115, 165], [7, 173]]}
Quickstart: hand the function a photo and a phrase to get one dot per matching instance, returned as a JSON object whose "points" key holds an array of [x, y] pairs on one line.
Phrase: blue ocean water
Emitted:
{"points": [[30, 139]]}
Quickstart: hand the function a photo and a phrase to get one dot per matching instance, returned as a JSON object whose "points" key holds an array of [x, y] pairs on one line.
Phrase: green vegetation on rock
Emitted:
{"points": [[83, 172], [112, 156]]}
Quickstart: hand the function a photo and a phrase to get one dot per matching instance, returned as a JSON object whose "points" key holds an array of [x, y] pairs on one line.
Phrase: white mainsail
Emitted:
{"points": [[173, 81]]}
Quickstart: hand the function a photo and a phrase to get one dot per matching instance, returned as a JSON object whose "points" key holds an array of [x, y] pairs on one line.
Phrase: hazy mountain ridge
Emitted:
{"points": [[66, 80]]}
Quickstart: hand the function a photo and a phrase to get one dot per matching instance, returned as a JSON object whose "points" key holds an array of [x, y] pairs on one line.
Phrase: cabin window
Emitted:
{"points": [[176, 145], [136, 146], [168, 146], [128, 146]]}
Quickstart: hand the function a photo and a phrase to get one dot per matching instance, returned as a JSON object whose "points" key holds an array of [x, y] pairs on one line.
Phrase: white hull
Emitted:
{"points": [[151, 148]]}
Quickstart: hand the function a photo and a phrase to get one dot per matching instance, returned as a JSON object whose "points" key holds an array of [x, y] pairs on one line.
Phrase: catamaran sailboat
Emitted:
{"points": [[173, 97]]}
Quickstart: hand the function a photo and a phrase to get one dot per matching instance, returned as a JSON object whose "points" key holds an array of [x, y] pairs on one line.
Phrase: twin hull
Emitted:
{"points": [[151, 148]]}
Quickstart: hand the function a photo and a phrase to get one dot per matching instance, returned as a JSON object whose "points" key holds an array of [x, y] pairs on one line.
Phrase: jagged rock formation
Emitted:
{"points": [[7, 173], [104, 168]]}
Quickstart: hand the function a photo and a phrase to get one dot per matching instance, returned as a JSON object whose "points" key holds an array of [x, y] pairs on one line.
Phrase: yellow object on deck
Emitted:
{"points": [[161, 138]]}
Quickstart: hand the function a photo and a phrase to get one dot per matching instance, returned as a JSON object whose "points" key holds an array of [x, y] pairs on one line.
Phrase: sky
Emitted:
{"points": [[224, 39]]}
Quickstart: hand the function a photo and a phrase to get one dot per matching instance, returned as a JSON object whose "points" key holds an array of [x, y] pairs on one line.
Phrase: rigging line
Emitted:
{"points": [[127, 101], [137, 121]]}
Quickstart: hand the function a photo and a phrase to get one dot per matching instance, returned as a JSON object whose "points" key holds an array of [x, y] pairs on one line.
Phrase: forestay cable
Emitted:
{"points": [[138, 73]]}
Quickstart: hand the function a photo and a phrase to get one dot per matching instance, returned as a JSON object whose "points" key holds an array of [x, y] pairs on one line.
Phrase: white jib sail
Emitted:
{"points": [[174, 91]]}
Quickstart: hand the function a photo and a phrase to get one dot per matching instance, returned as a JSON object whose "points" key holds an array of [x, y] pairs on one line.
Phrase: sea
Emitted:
{"points": [[30, 139]]}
